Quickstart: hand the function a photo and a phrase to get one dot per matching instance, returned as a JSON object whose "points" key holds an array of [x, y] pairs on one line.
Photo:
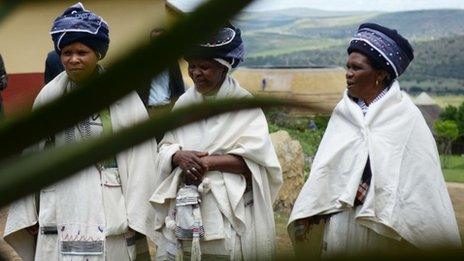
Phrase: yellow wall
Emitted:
{"points": [[25, 40], [323, 87]]}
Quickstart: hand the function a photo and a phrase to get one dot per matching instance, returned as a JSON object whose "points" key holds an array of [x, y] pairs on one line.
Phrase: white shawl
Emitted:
{"points": [[243, 133], [407, 197], [136, 168]]}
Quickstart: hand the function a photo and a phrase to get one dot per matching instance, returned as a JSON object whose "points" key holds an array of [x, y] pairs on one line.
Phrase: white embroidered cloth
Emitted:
{"points": [[407, 197], [243, 133], [83, 206]]}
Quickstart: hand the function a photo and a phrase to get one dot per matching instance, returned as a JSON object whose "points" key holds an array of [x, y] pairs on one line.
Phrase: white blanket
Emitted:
{"points": [[77, 201], [243, 133], [407, 197]]}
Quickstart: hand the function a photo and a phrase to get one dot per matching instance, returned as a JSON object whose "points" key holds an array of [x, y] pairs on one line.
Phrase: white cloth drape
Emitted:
{"points": [[407, 198], [80, 203], [243, 133]]}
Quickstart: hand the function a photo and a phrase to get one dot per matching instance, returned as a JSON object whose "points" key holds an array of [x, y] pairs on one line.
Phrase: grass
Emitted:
{"points": [[304, 46], [453, 168], [445, 100]]}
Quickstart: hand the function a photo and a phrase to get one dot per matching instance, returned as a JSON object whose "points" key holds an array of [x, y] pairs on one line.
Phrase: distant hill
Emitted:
{"points": [[424, 25], [439, 64], [318, 38]]}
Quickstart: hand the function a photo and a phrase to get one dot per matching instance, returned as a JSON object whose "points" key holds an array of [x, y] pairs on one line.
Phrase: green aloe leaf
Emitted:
{"points": [[134, 70], [26, 174], [7, 7]]}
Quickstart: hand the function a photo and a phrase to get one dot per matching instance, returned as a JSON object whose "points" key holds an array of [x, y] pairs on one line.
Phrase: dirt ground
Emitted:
{"points": [[456, 191]]}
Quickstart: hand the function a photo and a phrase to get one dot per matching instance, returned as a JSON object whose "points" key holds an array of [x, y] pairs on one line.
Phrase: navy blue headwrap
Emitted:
{"points": [[226, 44], [384, 47], [79, 25]]}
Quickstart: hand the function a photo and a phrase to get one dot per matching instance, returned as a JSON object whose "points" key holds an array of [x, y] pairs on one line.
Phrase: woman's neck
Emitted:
{"points": [[215, 91], [371, 98]]}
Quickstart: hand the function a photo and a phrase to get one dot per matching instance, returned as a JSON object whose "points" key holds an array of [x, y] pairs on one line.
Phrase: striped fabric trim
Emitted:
{"points": [[188, 234], [186, 201], [82, 247], [49, 230], [364, 107]]}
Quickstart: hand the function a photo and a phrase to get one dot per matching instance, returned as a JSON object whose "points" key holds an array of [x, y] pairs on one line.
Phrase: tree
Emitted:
{"points": [[455, 114], [449, 113], [447, 132]]}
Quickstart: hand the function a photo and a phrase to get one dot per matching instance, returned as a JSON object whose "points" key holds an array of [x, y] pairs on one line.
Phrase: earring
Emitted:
{"points": [[376, 82]]}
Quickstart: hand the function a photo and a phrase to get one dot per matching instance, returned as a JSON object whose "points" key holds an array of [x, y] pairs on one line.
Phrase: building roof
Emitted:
{"points": [[424, 99], [429, 108], [431, 113], [184, 6]]}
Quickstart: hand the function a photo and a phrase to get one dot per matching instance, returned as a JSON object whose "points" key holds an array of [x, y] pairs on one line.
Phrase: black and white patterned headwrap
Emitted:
{"points": [[225, 46], [384, 47]]}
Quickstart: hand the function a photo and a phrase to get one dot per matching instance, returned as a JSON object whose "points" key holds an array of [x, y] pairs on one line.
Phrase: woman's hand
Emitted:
{"points": [[190, 162]]}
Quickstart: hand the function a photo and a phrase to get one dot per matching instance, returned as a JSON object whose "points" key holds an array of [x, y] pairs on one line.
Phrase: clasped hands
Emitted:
{"points": [[194, 164]]}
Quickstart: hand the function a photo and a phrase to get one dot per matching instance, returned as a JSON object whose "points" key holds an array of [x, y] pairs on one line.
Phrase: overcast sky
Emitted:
{"points": [[341, 5], [350, 5]]}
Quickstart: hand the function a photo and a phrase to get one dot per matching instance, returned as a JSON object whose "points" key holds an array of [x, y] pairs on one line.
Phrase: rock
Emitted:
{"points": [[291, 158]]}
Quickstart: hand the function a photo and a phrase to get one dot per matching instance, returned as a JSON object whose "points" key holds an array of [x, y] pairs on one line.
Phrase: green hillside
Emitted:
{"points": [[321, 40], [425, 25]]}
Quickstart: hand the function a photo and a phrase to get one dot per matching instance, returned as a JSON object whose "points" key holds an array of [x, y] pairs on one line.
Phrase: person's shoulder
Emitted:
{"points": [[341, 104], [51, 90], [409, 104], [2, 66], [186, 96], [239, 90], [245, 92]]}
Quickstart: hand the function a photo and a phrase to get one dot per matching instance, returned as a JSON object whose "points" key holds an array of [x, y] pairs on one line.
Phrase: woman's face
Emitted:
{"points": [[363, 81], [207, 74], [79, 61]]}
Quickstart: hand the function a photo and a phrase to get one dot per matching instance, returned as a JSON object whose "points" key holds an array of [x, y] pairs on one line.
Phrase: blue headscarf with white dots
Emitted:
{"points": [[77, 24], [384, 47]]}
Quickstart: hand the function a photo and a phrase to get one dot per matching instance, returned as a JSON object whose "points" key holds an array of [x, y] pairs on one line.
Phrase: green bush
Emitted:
{"points": [[309, 139]]}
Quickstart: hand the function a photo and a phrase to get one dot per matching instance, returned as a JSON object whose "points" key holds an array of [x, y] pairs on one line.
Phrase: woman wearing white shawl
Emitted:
{"points": [[230, 215], [376, 180], [102, 212]]}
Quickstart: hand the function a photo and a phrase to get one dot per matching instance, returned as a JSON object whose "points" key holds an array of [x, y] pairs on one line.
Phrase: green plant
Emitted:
{"points": [[22, 175], [309, 141], [44, 168], [455, 114], [121, 78], [446, 131], [321, 121]]}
